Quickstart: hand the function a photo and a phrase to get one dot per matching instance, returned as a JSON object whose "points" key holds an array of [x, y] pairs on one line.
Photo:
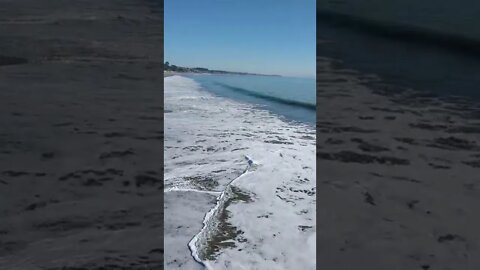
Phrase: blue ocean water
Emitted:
{"points": [[291, 98]]}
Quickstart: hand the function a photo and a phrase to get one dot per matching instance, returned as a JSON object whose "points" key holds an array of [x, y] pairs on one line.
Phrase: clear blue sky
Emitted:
{"points": [[260, 36]]}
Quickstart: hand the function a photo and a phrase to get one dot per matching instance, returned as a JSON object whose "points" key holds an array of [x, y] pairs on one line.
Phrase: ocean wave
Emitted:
{"points": [[280, 100]]}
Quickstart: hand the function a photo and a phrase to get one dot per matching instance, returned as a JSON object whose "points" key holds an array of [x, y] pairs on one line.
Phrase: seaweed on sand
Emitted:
{"points": [[202, 183], [224, 233]]}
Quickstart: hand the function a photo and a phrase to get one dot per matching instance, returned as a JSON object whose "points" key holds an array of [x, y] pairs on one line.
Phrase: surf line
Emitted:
{"points": [[208, 219]]}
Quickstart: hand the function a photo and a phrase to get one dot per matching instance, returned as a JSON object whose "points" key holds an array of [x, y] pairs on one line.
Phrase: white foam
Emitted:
{"points": [[207, 139]]}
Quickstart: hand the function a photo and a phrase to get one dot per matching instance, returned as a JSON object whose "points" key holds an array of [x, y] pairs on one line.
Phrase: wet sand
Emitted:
{"points": [[81, 139], [397, 183]]}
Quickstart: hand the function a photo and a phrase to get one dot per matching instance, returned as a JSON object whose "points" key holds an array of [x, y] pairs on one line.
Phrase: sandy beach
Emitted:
{"points": [[81, 138], [397, 175]]}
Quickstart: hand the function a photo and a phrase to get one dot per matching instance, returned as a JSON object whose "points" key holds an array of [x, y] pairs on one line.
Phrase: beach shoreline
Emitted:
{"points": [[248, 169]]}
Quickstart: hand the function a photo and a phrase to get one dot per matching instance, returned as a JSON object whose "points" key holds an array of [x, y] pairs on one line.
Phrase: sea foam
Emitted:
{"points": [[261, 169]]}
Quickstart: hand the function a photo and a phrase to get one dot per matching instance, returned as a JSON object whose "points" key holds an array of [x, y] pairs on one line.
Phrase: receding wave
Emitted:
{"points": [[280, 100], [404, 32]]}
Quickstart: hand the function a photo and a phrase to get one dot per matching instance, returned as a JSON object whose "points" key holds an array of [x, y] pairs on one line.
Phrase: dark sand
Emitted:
{"points": [[398, 176], [81, 134]]}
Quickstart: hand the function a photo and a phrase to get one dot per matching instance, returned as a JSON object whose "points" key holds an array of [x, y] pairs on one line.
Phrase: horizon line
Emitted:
{"points": [[247, 72]]}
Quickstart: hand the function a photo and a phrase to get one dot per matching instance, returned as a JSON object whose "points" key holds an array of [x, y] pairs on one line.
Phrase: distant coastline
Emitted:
{"points": [[173, 69]]}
